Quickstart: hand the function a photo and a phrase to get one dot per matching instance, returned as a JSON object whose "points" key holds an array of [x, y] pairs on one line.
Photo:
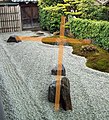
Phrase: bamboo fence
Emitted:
{"points": [[10, 19]]}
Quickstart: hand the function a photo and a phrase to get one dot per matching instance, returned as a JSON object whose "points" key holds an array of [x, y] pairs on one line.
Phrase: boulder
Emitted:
{"points": [[65, 99], [13, 39], [54, 70]]}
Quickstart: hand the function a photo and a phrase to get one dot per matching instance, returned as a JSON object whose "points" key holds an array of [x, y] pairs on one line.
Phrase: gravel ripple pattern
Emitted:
{"points": [[25, 74]]}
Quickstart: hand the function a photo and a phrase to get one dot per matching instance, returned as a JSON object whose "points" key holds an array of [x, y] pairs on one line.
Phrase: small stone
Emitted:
{"points": [[87, 41], [56, 33], [13, 39], [54, 70], [70, 35]]}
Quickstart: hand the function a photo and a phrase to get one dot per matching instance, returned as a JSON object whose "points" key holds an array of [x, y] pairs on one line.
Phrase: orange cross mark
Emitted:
{"points": [[61, 42]]}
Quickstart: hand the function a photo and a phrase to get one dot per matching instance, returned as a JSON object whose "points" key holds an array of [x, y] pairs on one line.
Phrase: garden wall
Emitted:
{"points": [[10, 18]]}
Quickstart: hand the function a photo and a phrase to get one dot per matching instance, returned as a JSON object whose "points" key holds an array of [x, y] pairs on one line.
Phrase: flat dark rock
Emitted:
{"points": [[39, 33], [13, 39], [54, 71]]}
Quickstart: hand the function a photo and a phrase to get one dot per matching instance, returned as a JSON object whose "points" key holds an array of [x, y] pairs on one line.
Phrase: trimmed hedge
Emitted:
{"points": [[51, 10], [96, 30], [50, 19]]}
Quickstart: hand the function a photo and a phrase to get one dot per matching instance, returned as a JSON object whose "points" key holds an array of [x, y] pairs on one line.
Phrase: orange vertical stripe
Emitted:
{"points": [[58, 77], [59, 71], [62, 27]]}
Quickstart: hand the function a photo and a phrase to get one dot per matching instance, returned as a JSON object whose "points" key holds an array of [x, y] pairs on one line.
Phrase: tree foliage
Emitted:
{"points": [[49, 2], [51, 10]]}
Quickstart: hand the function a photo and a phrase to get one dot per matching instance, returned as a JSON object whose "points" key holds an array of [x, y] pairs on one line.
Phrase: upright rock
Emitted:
{"points": [[65, 99], [13, 39], [52, 92], [54, 70]]}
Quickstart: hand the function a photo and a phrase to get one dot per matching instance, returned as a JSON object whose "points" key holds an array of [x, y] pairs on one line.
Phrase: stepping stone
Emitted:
{"points": [[54, 70], [13, 39], [65, 99]]}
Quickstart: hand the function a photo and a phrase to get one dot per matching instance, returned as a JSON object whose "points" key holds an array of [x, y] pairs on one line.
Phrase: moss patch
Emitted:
{"points": [[95, 60], [98, 60]]}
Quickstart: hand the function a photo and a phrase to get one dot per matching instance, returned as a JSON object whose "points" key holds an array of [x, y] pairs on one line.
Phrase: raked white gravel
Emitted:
{"points": [[25, 69]]}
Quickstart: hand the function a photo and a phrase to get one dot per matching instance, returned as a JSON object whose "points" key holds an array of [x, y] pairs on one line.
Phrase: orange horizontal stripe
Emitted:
{"points": [[64, 40], [74, 41], [49, 39], [26, 38], [43, 39]]}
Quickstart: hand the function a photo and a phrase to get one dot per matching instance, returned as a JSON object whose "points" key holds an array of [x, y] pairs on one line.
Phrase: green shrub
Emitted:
{"points": [[49, 2], [96, 30], [50, 18], [95, 13]]}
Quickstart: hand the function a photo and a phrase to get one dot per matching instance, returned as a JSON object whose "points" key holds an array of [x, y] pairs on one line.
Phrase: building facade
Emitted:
{"points": [[17, 15]]}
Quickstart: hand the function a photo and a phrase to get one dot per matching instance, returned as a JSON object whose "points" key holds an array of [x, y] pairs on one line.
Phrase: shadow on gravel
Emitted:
{"points": [[5, 105], [1, 110]]}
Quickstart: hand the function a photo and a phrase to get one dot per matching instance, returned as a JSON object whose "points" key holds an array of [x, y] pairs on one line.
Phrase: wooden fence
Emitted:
{"points": [[10, 19]]}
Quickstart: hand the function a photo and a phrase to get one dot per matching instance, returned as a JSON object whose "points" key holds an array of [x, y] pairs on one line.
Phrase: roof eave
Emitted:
{"points": [[103, 3]]}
